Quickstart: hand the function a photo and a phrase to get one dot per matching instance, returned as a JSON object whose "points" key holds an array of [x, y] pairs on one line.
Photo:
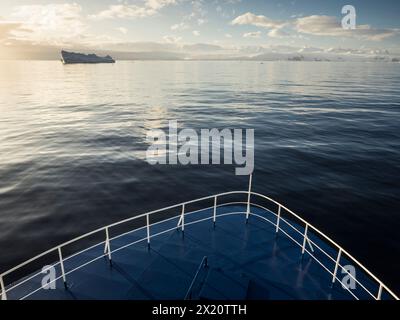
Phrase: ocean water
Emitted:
{"points": [[73, 143]]}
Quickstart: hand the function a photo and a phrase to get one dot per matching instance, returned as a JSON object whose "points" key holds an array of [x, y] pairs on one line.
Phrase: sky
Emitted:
{"points": [[202, 28]]}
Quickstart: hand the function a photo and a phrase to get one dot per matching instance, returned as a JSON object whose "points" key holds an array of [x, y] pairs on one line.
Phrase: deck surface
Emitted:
{"points": [[245, 261]]}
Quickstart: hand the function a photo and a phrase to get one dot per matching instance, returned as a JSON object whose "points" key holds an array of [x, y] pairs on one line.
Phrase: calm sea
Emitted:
{"points": [[73, 143]]}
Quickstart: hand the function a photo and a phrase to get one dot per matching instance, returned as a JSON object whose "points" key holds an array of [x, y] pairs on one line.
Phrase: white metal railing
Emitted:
{"points": [[181, 224], [341, 251]]}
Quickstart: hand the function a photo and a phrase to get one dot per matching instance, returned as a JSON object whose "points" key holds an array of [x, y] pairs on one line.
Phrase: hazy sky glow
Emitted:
{"points": [[216, 26]]}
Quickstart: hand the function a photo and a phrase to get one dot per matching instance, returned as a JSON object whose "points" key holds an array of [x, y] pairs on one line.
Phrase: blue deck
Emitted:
{"points": [[245, 261]]}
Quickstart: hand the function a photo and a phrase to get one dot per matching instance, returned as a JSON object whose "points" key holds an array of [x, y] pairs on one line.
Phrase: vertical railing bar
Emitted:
{"points": [[62, 267], [183, 218], [148, 230], [215, 210], [278, 219], [336, 265], [309, 243], [304, 239], [179, 223], [3, 289], [108, 244], [379, 297], [248, 199]]}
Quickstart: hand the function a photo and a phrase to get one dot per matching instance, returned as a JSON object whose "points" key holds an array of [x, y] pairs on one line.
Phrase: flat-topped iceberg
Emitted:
{"points": [[72, 57]]}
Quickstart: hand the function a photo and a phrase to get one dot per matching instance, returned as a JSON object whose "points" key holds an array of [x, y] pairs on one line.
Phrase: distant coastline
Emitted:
{"points": [[293, 58], [342, 55]]}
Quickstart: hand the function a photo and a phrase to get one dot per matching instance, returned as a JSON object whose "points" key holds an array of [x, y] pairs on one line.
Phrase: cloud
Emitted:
{"points": [[172, 39], [158, 4], [307, 49], [317, 25], [123, 11], [6, 27], [249, 18], [122, 30], [228, 35], [278, 33], [49, 24], [179, 26], [258, 21], [130, 11], [196, 33], [320, 25], [198, 13], [255, 34]]}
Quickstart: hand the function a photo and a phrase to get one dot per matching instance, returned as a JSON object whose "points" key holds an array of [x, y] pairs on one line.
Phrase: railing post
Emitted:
{"points": [[62, 267], [3, 289], [303, 249], [108, 245], [179, 222], [183, 218], [379, 297], [148, 230], [336, 265], [278, 219], [248, 199], [215, 210]]}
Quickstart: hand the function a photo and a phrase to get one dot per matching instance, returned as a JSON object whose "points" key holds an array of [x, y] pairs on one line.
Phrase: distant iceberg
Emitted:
{"points": [[72, 57]]}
